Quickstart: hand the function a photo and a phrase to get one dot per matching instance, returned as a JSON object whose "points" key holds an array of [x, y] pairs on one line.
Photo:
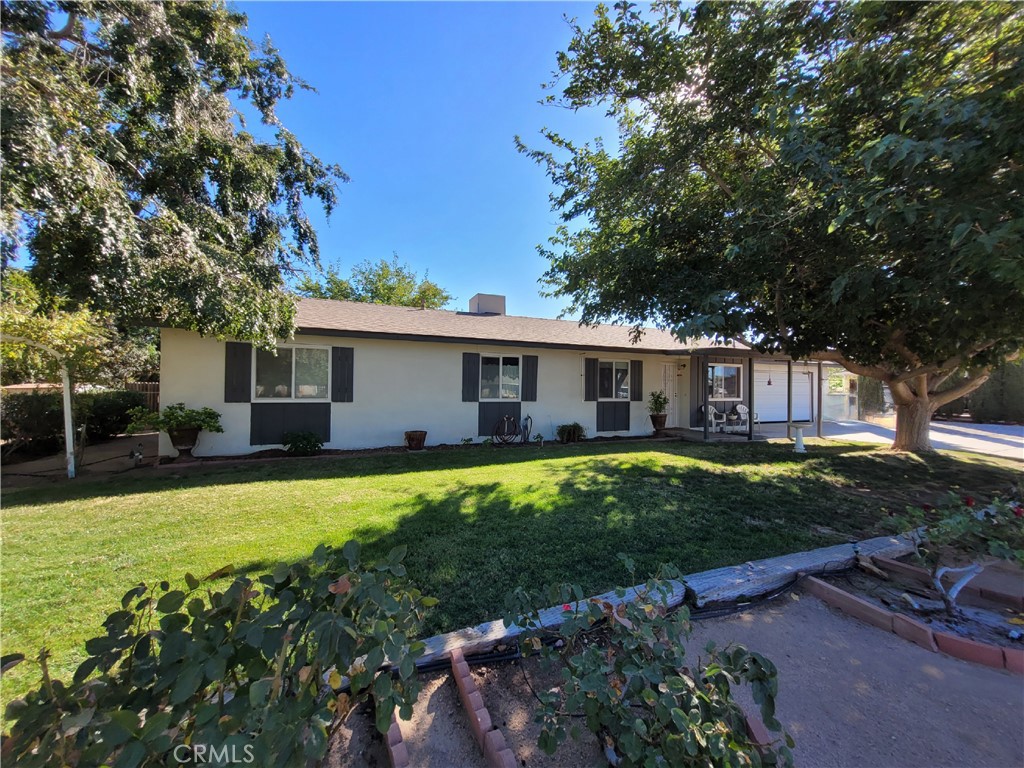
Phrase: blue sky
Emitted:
{"points": [[419, 104]]}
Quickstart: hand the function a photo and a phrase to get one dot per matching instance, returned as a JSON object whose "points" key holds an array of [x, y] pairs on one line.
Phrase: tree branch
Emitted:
{"points": [[871, 371], [941, 398], [66, 32]]}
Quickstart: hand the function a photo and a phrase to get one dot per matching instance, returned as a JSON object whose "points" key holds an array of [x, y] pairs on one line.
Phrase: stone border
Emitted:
{"points": [[398, 753], [736, 582], [997, 657], [488, 737]]}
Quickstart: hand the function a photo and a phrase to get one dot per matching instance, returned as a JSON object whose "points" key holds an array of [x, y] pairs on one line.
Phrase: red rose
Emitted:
{"points": [[969, 501], [566, 607], [1018, 511], [927, 507]]}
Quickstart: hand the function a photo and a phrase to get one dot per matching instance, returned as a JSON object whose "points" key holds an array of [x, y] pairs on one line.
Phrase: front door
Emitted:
{"points": [[670, 386]]}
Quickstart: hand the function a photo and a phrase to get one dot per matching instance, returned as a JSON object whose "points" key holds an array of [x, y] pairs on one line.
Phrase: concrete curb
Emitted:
{"points": [[997, 657], [489, 738], [733, 582], [398, 753]]}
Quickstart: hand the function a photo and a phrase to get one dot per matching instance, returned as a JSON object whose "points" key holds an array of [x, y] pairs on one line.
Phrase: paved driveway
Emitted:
{"points": [[991, 439]]}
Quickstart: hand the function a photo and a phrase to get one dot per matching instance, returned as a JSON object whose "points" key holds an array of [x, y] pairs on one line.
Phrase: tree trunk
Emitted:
{"points": [[913, 420]]}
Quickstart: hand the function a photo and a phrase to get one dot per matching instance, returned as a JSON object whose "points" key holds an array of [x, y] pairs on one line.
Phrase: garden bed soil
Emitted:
{"points": [[357, 743], [983, 620], [506, 690], [438, 735]]}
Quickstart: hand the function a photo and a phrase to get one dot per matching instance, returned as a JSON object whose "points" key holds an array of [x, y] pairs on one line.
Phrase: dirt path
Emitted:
{"points": [[854, 696]]}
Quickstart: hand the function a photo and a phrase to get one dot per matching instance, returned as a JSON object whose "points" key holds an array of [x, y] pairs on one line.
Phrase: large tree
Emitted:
{"points": [[129, 177], [840, 181], [380, 282]]}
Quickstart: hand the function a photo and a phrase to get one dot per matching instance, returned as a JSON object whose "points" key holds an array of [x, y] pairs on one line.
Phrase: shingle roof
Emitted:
{"points": [[357, 319]]}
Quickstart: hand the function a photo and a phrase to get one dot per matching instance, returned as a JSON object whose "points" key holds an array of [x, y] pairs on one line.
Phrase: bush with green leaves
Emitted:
{"points": [[302, 443], [959, 537], [571, 433], [637, 688], [36, 419], [657, 402], [174, 417], [270, 663]]}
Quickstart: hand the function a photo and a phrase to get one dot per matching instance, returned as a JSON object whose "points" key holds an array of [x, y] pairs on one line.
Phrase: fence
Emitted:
{"points": [[151, 389]]}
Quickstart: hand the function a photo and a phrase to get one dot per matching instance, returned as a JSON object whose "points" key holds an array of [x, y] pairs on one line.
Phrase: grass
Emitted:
{"points": [[478, 522]]}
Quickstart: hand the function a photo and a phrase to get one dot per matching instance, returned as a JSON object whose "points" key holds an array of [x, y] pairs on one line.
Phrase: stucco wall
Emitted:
{"points": [[398, 386]]}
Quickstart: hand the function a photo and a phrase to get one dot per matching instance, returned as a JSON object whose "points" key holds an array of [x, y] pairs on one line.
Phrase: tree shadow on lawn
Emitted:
{"points": [[863, 465], [470, 548]]}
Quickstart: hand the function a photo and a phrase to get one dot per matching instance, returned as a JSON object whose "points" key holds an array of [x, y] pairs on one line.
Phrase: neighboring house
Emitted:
{"points": [[359, 375]]}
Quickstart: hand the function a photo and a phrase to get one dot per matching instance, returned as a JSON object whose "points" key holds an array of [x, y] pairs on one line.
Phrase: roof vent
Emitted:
{"points": [[487, 304]]}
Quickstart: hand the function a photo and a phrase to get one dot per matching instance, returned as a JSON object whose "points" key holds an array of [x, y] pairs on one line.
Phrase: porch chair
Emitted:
{"points": [[746, 415], [717, 422]]}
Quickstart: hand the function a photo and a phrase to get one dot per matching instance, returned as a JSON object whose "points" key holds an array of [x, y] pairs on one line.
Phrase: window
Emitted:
{"points": [[294, 373], [613, 380], [499, 377], [724, 382]]}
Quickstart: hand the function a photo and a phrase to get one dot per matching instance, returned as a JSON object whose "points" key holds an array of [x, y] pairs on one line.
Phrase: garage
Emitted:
{"points": [[770, 391]]}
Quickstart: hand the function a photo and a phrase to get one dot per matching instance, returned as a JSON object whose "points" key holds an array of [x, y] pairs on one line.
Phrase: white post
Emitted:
{"points": [[69, 428]]}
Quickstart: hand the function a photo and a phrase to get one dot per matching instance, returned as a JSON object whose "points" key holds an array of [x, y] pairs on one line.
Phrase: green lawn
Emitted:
{"points": [[478, 522]]}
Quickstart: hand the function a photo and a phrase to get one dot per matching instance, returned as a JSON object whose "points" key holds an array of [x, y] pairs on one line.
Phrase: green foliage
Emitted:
{"points": [[818, 178], [636, 685], [570, 433], [95, 349], [36, 419], [1001, 398], [130, 177], [383, 282], [263, 661], [960, 529], [175, 416], [303, 443], [657, 402]]}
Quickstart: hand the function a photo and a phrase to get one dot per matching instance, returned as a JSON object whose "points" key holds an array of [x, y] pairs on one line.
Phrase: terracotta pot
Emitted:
{"points": [[184, 440], [414, 439], [658, 421]]}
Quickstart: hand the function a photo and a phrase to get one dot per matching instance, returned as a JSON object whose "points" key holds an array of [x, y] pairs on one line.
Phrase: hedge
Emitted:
{"points": [[37, 419]]}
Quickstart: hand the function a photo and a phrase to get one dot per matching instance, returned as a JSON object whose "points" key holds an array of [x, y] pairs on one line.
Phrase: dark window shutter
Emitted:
{"points": [[529, 378], [470, 377], [636, 380], [342, 389], [590, 378], [237, 372]]}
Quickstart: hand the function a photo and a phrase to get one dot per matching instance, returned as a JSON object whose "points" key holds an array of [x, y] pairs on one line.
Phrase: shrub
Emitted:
{"points": [[636, 687], [657, 402], [34, 419], [175, 416], [302, 443], [571, 433], [37, 418], [960, 529], [106, 412], [258, 664]]}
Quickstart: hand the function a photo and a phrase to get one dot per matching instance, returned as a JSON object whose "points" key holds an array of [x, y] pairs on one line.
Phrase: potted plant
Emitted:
{"points": [[181, 424], [415, 439], [657, 404]]}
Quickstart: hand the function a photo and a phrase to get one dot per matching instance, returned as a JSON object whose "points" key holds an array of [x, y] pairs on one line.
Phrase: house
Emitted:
{"points": [[359, 375]]}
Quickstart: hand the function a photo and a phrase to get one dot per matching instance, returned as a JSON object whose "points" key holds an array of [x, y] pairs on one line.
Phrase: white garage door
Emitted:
{"points": [[770, 401]]}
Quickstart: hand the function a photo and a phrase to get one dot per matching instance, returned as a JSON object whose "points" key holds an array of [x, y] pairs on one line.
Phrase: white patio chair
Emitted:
{"points": [[745, 416], [717, 419]]}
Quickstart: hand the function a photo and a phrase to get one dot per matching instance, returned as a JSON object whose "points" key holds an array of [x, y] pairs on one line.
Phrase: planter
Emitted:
{"points": [[658, 421], [414, 439], [184, 440]]}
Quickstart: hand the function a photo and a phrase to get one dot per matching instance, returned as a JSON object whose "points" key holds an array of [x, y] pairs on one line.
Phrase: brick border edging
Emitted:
{"points": [[488, 737], [997, 657], [398, 753], [922, 575]]}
